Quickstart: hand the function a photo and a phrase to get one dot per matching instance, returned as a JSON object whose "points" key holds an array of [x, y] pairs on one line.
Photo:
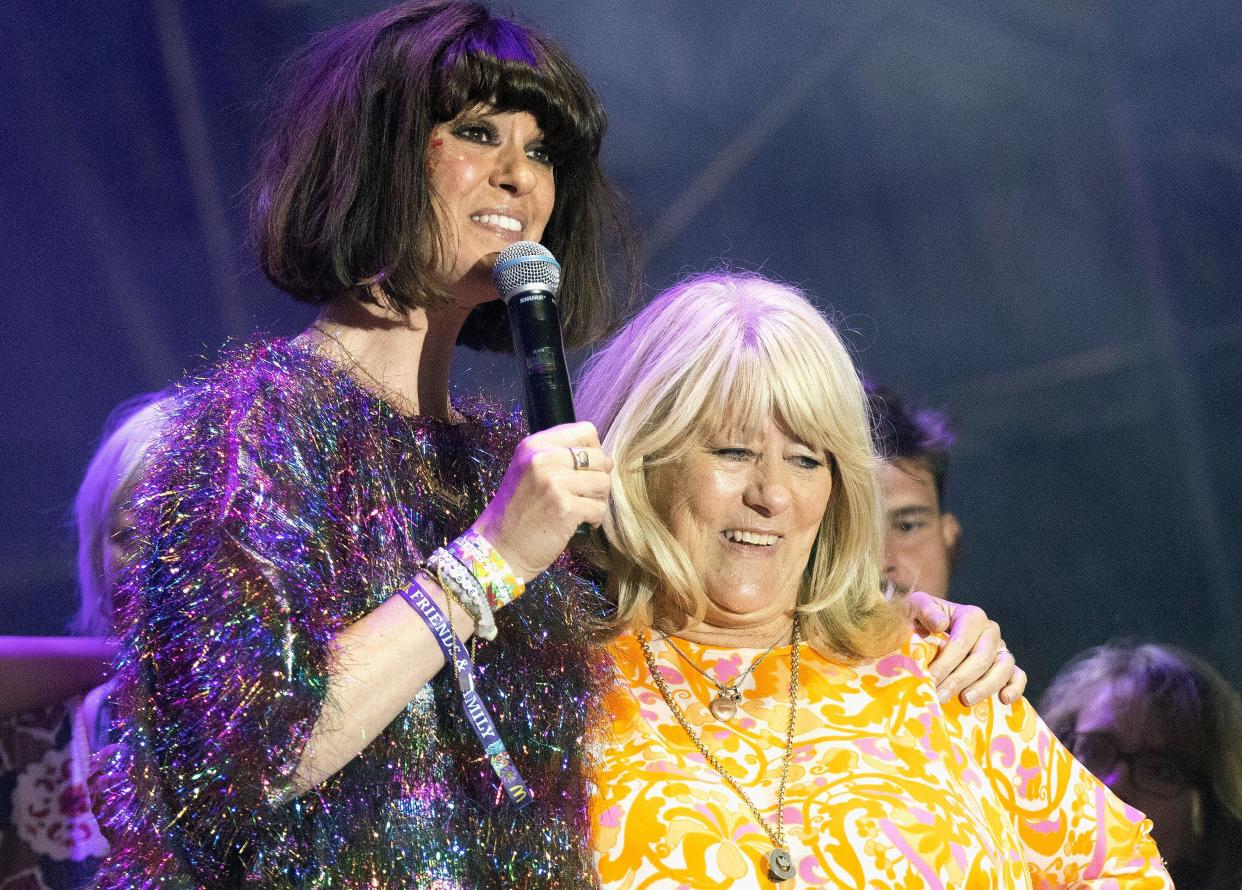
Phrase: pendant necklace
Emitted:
{"points": [[780, 863], [728, 698]]}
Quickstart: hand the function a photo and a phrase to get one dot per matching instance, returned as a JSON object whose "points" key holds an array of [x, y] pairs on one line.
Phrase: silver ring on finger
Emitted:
{"points": [[1003, 650], [582, 458]]}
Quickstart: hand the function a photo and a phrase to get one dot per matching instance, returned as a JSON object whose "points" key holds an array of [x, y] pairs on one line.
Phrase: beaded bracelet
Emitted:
{"points": [[457, 580], [488, 567]]}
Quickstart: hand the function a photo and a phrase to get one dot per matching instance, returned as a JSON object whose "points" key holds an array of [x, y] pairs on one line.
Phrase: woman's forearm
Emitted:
{"points": [[382, 661], [40, 671]]}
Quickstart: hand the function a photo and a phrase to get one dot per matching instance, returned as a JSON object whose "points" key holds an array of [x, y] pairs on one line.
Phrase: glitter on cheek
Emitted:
{"points": [[435, 150]]}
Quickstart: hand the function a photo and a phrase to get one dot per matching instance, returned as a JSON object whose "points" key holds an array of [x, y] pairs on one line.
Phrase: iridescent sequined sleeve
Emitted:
{"points": [[284, 503], [225, 659]]}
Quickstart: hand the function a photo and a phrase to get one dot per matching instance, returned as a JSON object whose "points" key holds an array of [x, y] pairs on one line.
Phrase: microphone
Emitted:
{"points": [[528, 276]]}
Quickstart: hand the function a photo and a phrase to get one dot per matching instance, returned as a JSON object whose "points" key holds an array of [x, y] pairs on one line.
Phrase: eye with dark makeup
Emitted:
{"points": [[482, 131], [478, 131]]}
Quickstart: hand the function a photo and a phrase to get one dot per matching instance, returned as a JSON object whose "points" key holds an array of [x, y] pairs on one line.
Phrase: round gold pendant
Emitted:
{"points": [[780, 865], [723, 707]]}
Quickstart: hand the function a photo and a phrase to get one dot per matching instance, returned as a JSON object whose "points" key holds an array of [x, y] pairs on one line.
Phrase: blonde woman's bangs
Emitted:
{"points": [[797, 377], [716, 358]]}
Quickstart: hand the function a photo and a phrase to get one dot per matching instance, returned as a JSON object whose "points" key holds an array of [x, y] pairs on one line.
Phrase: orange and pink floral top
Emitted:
{"points": [[887, 788]]}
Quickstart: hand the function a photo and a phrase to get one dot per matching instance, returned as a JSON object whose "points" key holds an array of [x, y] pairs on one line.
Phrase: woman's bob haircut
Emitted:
{"points": [[342, 203], [727, 352]]}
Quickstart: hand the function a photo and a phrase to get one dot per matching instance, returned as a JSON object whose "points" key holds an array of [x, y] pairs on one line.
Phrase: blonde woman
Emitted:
{"points": [[39, 671], [774, 721], [53, 719]]}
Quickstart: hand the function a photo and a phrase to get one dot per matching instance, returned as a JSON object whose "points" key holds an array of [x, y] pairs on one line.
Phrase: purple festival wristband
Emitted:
{"points": [[480, 719]]}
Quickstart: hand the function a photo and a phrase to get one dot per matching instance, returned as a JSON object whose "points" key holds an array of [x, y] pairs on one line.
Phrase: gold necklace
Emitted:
{"points": [[780, 863], [728, 697]]}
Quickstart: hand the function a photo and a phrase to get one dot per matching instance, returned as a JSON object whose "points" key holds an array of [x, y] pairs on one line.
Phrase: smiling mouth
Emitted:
{"points": [[497, 221], [754, 539]]}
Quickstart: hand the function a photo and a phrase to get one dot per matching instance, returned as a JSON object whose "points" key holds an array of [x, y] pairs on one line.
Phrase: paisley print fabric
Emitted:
{"points": [[49, 839], [887, 788]]}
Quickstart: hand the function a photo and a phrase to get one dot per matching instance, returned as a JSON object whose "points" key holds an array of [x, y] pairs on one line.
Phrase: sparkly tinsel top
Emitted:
{"points": [[281, 504]]}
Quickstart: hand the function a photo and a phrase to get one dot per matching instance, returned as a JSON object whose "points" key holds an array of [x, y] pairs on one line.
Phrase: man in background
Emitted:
{"points": [[921, 540]]}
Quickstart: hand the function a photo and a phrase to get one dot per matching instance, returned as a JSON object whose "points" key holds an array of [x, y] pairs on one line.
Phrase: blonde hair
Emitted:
{"points": [[109, 478], [738, 349]]}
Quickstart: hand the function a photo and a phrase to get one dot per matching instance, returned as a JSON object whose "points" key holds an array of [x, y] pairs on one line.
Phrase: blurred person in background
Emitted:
{"points": [[921, 540], [1163, 729], [51, 688]]}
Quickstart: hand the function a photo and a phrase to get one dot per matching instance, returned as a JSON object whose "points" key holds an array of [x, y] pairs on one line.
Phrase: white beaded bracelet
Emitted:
{"points": [[461, 583]]}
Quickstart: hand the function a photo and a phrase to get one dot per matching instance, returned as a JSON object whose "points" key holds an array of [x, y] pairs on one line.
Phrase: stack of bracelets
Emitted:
{"points": [[472, 572], [478, 579]]}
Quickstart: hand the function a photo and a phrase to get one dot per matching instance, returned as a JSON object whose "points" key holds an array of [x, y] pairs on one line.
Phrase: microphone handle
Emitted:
{"points": [[536, 326]]}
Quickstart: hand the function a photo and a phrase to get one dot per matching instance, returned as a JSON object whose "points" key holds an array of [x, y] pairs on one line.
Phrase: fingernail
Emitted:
{"points": [[970, 698], [945, 694]]}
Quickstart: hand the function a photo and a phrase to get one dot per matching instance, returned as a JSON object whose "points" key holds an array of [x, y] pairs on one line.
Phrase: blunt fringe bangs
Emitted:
{"points": [[342, 203], [726, 352]]}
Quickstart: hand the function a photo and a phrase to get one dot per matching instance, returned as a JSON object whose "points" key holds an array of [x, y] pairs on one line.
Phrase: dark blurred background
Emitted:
{"points": [[1026, 214]]}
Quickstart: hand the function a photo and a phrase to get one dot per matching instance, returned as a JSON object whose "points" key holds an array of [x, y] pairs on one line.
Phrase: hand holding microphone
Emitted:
{"points": [[560, 477]]}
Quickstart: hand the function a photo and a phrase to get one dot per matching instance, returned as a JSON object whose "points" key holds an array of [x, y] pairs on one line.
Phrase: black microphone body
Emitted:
{"points": [[527, 277], [536, 324]]}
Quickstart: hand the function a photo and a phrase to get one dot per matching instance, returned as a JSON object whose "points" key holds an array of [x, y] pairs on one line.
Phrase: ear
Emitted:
{"points": [[951, 535]]}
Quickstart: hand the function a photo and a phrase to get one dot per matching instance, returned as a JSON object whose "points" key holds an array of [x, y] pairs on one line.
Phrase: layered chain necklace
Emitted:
{"points": [[780, 863], [728, 698]]}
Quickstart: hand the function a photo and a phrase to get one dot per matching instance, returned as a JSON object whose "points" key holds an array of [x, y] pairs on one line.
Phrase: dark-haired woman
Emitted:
{"points": [[316, 518], [302, 484], [1162, 729]]}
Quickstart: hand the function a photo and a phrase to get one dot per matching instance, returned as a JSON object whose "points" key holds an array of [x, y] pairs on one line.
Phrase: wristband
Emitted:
{"points": [[488, 567], [457, 580], [477, 715]]}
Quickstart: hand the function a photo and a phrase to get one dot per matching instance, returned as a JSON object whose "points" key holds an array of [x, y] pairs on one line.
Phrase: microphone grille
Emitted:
{"points": [[522, 264]]}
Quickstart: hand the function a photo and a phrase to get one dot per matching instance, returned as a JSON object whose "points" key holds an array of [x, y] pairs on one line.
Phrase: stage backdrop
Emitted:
{"points": [[1022, 213]]}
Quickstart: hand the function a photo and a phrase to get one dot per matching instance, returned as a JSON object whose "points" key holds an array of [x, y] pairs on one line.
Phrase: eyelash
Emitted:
{"points": [[539, 153], [804, 462]]}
